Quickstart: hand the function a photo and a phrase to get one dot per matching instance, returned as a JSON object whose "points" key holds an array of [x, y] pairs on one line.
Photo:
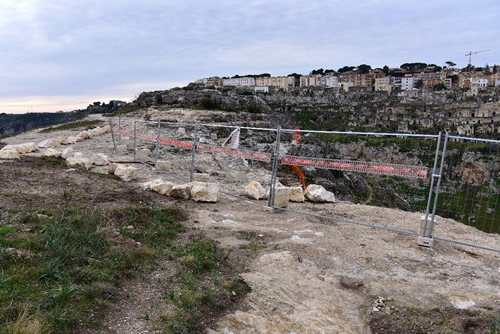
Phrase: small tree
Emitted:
{"points": [[450, 63]]}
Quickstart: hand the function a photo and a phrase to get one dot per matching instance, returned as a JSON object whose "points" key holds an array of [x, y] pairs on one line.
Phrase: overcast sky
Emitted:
{"points": [[63, 55]]}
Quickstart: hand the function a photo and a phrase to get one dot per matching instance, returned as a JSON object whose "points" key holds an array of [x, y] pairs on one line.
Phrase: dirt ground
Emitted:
{"points": [[308, 274]]}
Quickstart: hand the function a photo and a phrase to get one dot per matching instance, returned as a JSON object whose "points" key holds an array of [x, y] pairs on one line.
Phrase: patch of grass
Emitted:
{"points": [[74, 125], [206, 285], [69, 265]]}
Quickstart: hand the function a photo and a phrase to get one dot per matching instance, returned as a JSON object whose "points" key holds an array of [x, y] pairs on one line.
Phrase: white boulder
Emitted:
{"points": [[162, 187], [204, 192], [127, 174], [67, 153], [9, 154], [143, 154], [100, 159], [297, 194], [74, 162], [254, 190], [49, 143], [182, 191], [163, 165], [112, 167], [316, 193], [28, 147], [281, 197], [50, 152]]}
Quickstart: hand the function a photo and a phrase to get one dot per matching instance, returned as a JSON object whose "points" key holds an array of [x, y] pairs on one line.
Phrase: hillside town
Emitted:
{"points": [[419, 96]]}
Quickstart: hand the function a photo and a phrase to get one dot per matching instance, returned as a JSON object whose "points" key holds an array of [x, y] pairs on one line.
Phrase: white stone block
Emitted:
{"points": [[50, 152], [162, 187], [127, 174], [164, 165], [74, 162], [107, 129], [100, 159], [29, 147], [316, 193], [67, 153], [297, 194], [281, 196], [204, 192], [121, 148], [9, 154], [255, 190], [142, 154], [49, 143], [112, 167], [182, 191]]}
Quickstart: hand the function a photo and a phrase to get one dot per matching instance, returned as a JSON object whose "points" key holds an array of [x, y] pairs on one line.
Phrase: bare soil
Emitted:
{"points": [[307, 274]]}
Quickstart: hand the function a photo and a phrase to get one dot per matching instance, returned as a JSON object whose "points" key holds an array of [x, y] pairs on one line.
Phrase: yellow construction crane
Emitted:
{"points": [[473, 53]]}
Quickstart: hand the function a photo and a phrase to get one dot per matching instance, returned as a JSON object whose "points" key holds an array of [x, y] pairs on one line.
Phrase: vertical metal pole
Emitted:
{"points": [[431, 189], [438, 185], [193, 153], [119, 128], [157, 144], [135, 137], [112, 135], [272, 183]]}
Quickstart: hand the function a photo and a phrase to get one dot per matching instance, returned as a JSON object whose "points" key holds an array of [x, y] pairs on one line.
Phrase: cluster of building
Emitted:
{"points": [[374, 80]]}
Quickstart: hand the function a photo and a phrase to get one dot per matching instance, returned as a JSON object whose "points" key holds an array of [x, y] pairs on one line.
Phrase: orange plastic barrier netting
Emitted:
{"points": [[358, 166]]}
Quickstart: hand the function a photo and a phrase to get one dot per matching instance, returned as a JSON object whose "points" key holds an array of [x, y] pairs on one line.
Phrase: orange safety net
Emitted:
{"points": [[299, 173]]}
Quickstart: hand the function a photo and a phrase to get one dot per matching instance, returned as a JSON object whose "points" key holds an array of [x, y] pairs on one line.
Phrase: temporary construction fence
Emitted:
{"points": [[459, 180]]}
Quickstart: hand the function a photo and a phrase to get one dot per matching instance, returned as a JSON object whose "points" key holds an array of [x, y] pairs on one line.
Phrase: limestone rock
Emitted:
{"points": [[255, 190], [78, 155], [162, 187], [28, 147], [79, 162], [67, 153], [112, 167], [52, 153], [121, 148], [297, 194], [147, 185], [316, 193], [107, 129], [100, 159], [49, 143], [9, 154], [204, 192], [143, 154], [281, 196], [182, 191], [127, 174], [163, 165], [68, 140], [97, 131]]}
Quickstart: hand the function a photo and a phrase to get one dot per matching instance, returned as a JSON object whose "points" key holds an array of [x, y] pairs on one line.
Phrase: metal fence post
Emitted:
{"points": [[119, 128], [135, 137], [431, 189], [112, 135], [272, 183], [193, 153], [157, 144], [438, 185]]}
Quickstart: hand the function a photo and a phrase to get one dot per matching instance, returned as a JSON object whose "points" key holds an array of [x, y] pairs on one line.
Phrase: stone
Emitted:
{"points": [[297, 194], [112, 167], [146, 185], [316, 193], [163, 165], [67, 153], [68, 140], [127, 174], [49, 143], [281, 197], [78, 155], [121, 148], [255, 191], [182, 191], [162, 187], [201, 177], [100, 159], [107, 129], [79, 162], [181, 131], [213, 135], [97, 131], [9, 154], [28, 147], [142, 154], [204, 192], [50, 152]]}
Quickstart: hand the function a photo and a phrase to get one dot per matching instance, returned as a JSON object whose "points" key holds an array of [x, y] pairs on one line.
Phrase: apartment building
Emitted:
{"points": [[280, 82], [309, 80], [244, 81]]}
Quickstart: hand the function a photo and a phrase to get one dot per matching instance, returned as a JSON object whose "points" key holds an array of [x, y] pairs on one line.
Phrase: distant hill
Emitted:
{"points": [[14, 123]]}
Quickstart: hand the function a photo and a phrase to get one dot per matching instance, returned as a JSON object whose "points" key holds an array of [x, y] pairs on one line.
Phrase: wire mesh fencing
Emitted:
{"points": [[470, 184]]}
